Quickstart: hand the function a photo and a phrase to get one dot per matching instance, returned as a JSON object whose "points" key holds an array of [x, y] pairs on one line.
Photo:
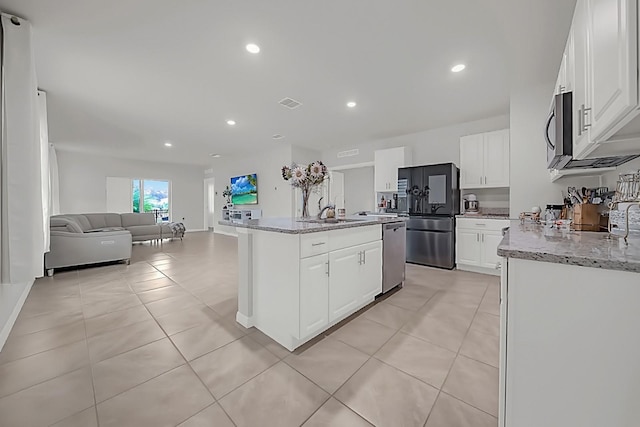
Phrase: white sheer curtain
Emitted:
{"points": [[22, 227]]}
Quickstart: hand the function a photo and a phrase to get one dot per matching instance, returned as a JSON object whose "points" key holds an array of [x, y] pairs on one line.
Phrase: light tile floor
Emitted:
{"points": [[155, 344]]}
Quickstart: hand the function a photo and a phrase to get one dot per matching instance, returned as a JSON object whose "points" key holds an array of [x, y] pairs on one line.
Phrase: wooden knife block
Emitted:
{"points": [[586, 217]]}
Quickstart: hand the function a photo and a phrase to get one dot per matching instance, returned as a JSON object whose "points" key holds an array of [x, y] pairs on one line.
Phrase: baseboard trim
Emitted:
{"points": [[225, 233], [476, 269], [244, 320], [6, 329]]}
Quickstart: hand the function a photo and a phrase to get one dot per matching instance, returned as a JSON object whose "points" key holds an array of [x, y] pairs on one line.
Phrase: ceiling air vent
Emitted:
{"points": [[277, 136], [290, 103], [349, 153]]}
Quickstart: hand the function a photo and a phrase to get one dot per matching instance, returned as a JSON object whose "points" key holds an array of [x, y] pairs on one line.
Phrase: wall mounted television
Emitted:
{"points": [[244, 190]]}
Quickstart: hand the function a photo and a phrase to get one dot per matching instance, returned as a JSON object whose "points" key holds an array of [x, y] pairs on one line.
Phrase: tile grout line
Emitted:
{"points": [[456, 358], [188, 363]]}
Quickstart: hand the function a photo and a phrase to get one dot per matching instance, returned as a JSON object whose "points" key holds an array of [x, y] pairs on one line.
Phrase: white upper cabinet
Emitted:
{"points": [[471, 161], [496, 159], [600, 67], [581, 95], [613, 63], [387, 163], [484, 160], [566, 73]]}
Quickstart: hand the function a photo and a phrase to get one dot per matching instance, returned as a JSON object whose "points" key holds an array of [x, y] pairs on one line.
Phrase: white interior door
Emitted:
{"points": [[209, 203], [119, 197], [336, 189]]}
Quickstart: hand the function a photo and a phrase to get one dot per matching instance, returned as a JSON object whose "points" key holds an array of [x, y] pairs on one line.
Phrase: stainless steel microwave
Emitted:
{"points": [[558, 133]]}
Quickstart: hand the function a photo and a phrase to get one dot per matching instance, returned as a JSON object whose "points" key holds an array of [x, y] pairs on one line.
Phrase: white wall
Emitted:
{"points": [[530, 183], [434, 146], [83, 180], [359, 194], [610, 179], [274, 193]]}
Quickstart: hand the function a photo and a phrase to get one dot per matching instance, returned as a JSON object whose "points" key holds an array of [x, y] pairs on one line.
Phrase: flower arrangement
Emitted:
{"points": [[227, 194], [306, 178]]}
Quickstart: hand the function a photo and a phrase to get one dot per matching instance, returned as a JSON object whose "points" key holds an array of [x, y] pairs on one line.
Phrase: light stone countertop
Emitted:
{"points": [[298, 226], [582, 248], [483, 216]]}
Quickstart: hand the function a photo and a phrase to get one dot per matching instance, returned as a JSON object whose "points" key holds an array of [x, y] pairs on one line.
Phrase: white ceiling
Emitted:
{"points": [[124, 76]]}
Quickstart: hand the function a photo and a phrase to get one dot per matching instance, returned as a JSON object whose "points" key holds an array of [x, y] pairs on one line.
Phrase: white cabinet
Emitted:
{"points": [[313, 281], [314, 294], [468, 247], [344, 292], [369, 275], [612, 25], [496, 159], [489, 250], [477, 244], [600, 67], [387, 163], [566, 73], [574, 328], [471, 161], [581, 95], [355, 278], [484, 160]]}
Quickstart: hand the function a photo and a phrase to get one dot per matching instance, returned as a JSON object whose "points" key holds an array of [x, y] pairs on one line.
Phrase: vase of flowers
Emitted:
{"points": [[227, 194], [307, 179]]}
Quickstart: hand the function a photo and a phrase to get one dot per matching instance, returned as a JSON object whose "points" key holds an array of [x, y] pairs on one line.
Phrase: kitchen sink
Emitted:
{"points": [[329, 220]]}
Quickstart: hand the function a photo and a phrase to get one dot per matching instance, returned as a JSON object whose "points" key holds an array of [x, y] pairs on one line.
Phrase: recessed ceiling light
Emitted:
{"points": [[351, 104], [458, 68], [168, 144], [215, 156], [231, 122], [277, 136], [253, 48]]}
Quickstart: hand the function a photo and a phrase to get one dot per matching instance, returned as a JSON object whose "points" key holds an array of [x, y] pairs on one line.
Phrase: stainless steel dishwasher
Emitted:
{"points": [[394, 246]]}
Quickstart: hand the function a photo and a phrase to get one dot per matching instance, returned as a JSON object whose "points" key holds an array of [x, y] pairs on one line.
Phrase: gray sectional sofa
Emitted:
{"points": [[80, 239]]}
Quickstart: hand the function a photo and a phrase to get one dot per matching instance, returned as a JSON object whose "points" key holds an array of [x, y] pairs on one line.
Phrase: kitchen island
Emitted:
{"points": [[570, 310], [298, 278]]}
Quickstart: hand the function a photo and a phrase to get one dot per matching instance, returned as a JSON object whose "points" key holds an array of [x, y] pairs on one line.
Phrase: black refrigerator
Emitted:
{"points": [[432, 200]]}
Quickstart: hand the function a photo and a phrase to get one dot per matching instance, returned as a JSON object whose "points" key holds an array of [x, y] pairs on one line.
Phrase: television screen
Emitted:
{"points": [[244, 190]]}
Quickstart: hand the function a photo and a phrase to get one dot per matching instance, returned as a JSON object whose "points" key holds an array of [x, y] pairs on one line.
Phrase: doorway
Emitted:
{"points": [[209, 203]]}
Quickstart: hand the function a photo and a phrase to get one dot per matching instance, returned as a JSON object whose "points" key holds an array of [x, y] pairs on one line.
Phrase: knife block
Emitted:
{"points": [[586, 217]]}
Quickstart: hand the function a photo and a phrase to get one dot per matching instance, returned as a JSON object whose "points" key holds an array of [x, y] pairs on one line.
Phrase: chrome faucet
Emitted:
{"points": [[321, 209], [324, 209]]}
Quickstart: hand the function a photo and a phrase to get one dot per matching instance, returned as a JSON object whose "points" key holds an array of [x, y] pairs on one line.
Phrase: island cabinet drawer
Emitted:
{"points": [[482, 224], [347, 237], [314, 244]]}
